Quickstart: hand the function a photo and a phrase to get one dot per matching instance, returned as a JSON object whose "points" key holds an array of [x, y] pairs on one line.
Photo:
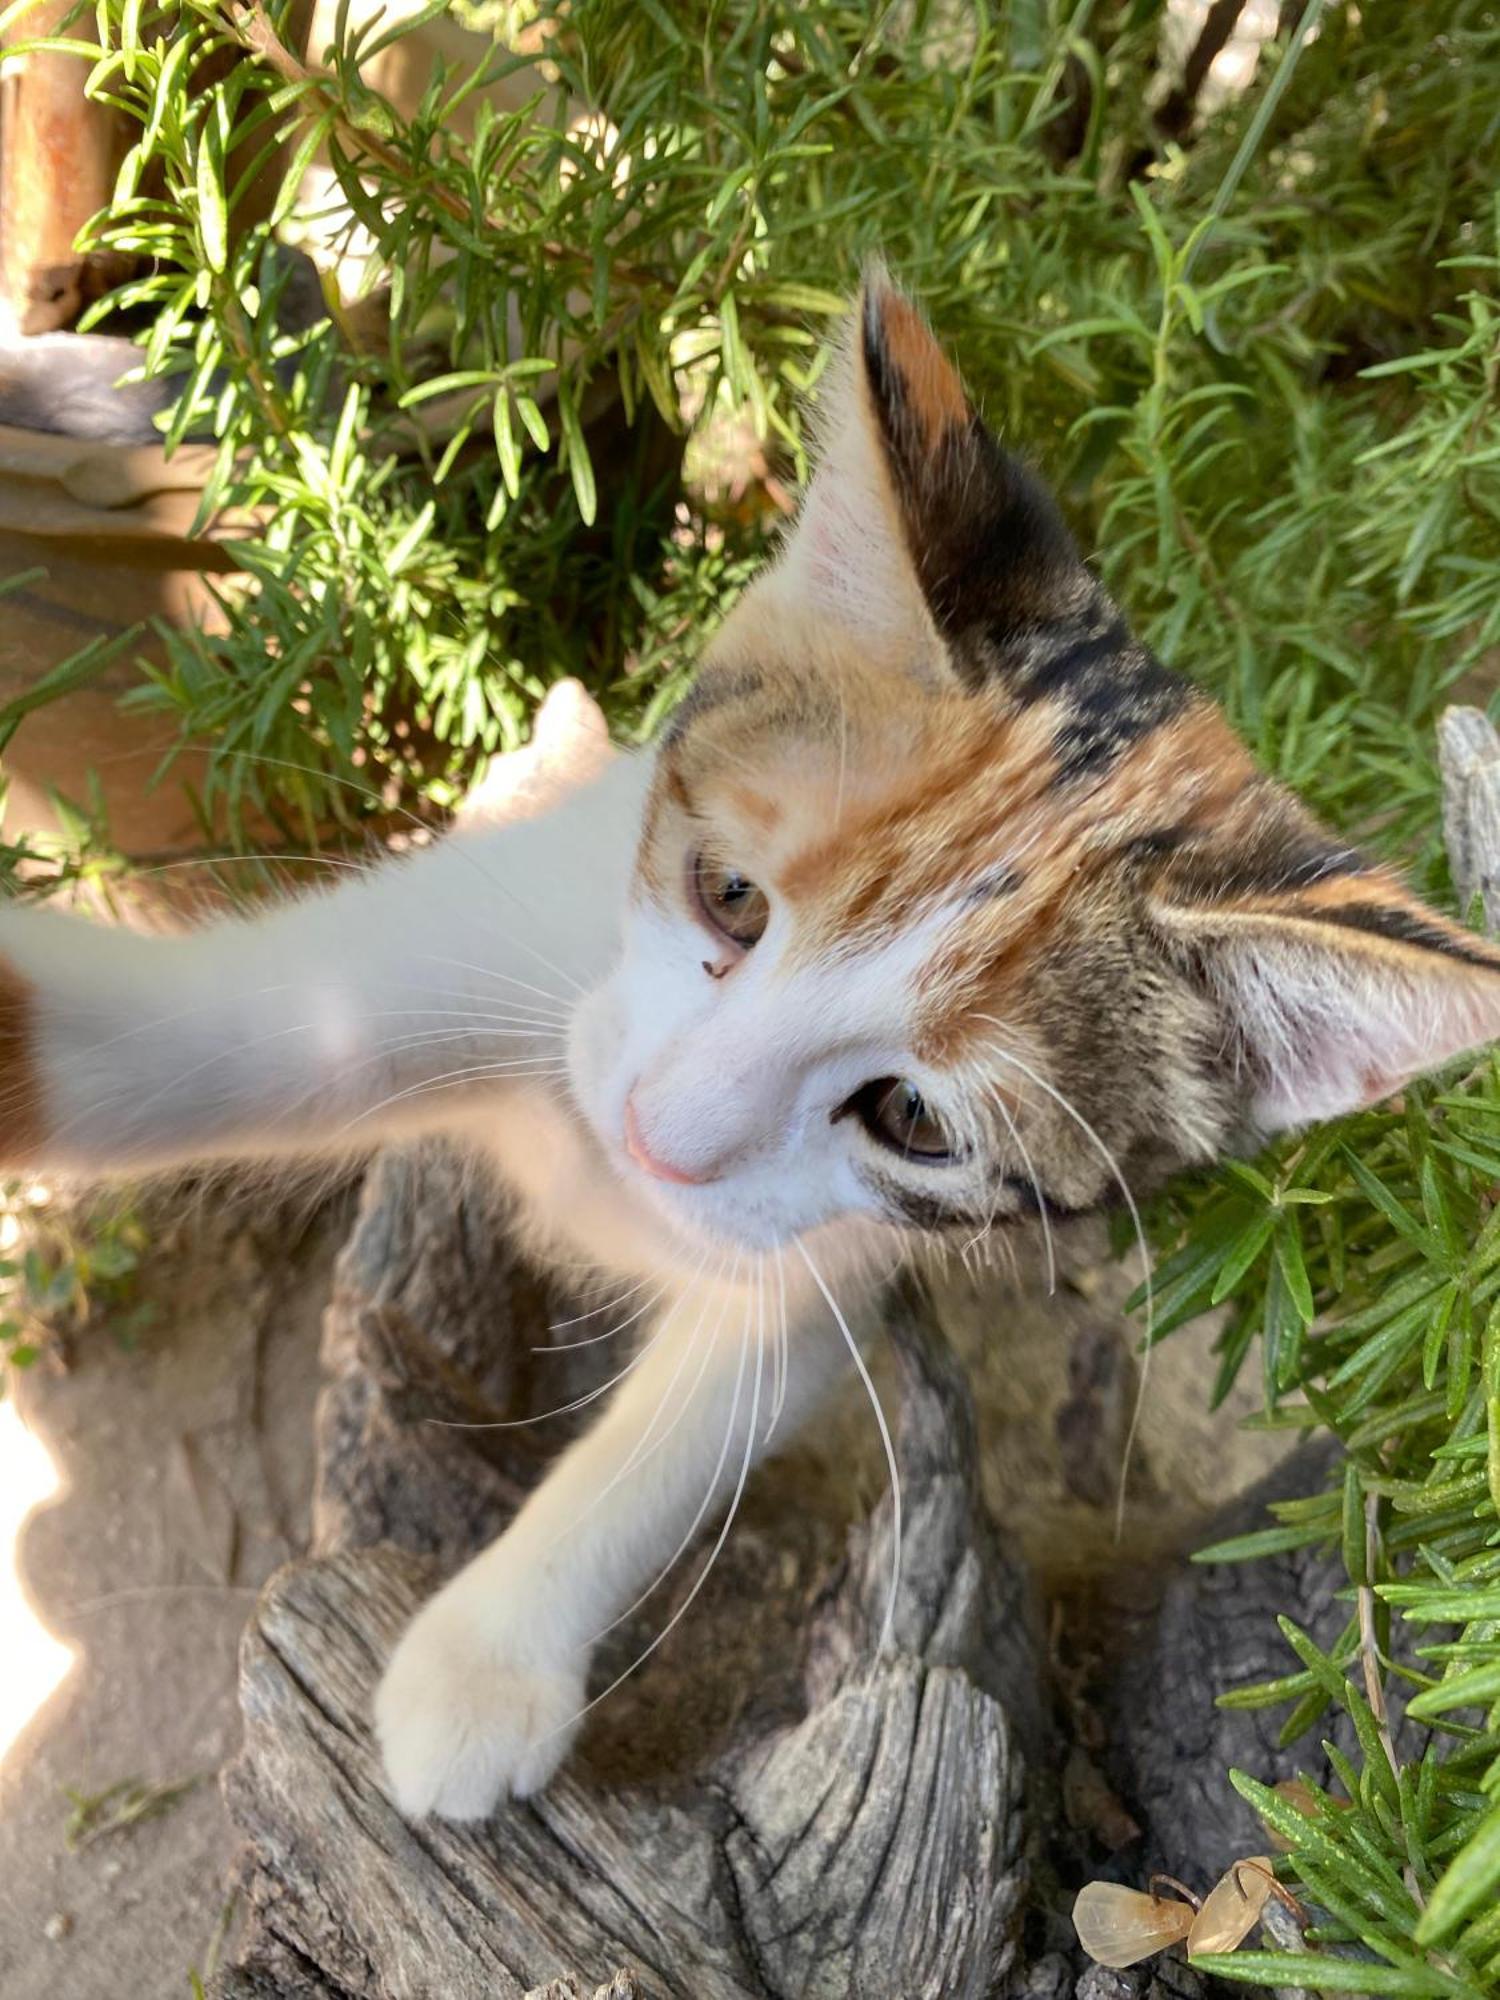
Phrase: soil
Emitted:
{"points": [[186, 1466]]}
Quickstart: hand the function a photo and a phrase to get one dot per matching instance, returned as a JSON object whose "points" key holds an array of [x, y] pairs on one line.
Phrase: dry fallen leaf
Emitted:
{"points": [[1118, 1926], [1232, 1907]]}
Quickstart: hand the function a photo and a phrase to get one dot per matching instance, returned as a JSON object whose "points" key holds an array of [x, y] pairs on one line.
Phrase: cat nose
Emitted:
{"points": [[641, 1153]]}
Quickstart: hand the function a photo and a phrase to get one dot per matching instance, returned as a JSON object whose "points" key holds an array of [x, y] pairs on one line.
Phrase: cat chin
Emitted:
{"points": [[731, 1216]]}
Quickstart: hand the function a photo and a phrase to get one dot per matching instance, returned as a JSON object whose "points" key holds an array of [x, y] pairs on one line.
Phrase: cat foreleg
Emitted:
{"points": [[487, 1689]]}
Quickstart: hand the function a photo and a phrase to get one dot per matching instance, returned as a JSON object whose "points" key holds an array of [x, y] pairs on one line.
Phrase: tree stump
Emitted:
{"points": [[770, 1806], [798, 1794]]}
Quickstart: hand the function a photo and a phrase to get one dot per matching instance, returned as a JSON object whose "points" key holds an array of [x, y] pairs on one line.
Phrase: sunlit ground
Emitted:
{"points": [[32, 1662]]}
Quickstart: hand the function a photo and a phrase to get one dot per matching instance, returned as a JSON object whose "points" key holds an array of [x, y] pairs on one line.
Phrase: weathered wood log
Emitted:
{"points": [[770, 1807], [843, 1823], [1469, 757], [1214, 1628], [60, 151], [1168, 1747]]}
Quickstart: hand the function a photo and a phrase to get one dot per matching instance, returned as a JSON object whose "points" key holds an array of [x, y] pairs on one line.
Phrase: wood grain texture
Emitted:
{"points": [[769, 1808], [22, 1116], [851, 1824], [58, 150]]}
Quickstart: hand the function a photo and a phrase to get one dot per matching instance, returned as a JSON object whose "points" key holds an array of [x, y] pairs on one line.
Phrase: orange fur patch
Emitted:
{"points": [[21, 1122], [861, 798], [934, 393], [753, 807]]}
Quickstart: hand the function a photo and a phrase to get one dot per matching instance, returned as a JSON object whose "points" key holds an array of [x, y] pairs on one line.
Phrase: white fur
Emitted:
{"points": [[282, 1033], [311, 1029], [846, 558]]}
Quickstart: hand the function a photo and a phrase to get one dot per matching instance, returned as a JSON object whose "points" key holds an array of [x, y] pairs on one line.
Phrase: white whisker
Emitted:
{"points": [[615, 1299], [488, 972], [456, 847], [642, 1450], [418, 1039], [889, 1626], [1140, 1236], [713, 1554], [1041, 1199], [473, 1072], [255, 857], [594, 1339], [782, 1348], [513, 1016], [562, 1409]]}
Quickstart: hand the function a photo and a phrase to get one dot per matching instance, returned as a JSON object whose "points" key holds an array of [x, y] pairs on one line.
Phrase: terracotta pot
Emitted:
{"points": [[58, 155], [108, 526]]}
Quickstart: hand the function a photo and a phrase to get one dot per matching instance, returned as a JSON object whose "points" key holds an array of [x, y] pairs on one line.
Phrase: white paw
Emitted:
{"points": [[462, 1726]]}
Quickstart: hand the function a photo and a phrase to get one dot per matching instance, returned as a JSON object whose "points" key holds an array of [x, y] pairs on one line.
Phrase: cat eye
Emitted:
{"points": [[896, 1113], [730, 902]]}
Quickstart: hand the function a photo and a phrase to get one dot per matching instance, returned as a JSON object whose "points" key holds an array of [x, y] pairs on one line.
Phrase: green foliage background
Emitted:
{"points": [[1258, 359]]}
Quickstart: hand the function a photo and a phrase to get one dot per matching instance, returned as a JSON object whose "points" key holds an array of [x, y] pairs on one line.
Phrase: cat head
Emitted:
{"points": [[952, 902]]}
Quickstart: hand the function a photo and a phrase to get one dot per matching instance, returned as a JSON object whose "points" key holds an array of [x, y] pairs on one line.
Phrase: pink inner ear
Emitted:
{"points": [[845, 559], [1334, 1029]]}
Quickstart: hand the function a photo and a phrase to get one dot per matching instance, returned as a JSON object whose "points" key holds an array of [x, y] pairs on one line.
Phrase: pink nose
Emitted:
{"points": [[641, 1153]]}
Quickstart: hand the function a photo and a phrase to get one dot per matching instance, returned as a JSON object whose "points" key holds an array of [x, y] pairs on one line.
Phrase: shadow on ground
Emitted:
{"points": [[186, 1467]]}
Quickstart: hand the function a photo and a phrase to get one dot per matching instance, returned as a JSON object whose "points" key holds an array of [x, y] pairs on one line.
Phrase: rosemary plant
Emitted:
{"points": [[1253, 337]]}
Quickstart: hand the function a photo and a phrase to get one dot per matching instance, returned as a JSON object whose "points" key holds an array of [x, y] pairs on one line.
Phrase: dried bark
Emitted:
{"points": [[1469, 756], [1180, 108], [849, 1823], [1169, 1749], [770, 1807]]}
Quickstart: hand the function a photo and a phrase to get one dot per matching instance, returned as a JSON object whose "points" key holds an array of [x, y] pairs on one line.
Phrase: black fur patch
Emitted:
{"points": [[1156, 845], [984, 533], [921, 1210], [1286, 854], [1034, 1200], [1401, 926], [1077, 660], [1007, 587], [1111, 702], [995, 559], [995, 883]]}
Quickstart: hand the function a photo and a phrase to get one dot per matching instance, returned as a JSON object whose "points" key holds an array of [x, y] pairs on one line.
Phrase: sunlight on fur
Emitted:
{"points": [[940, 907]]}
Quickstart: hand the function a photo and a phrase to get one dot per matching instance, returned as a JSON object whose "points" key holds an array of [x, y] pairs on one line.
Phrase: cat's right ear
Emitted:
{"points": [[847, 557], [918, 531]]}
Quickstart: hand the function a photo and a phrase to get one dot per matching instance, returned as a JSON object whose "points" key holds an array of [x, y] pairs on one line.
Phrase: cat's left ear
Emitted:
{"points": [[916, 521], [1336, 989]]}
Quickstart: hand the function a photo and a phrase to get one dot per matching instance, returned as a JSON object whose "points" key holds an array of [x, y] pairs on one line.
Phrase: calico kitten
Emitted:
{"points": [[941, 903]]}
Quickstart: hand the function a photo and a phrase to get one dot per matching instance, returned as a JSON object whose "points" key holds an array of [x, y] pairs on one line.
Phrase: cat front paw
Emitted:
{"points": [[461, 1726]]}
